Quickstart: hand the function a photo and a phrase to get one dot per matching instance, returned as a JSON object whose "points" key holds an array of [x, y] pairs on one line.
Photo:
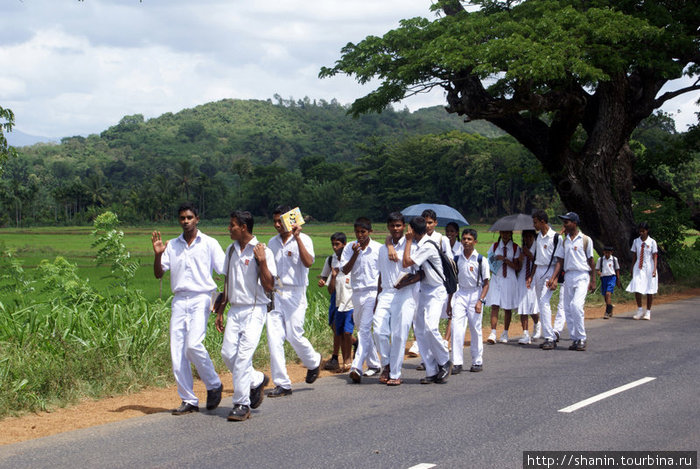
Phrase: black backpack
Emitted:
{"points": [[449, 269]]}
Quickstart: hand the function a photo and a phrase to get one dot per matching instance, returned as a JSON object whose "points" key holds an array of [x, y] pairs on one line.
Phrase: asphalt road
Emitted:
{"points": [[476, 420]]}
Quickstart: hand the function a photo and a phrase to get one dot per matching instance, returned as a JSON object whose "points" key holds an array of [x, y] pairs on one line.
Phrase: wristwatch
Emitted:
{"points": [[483, 301]]}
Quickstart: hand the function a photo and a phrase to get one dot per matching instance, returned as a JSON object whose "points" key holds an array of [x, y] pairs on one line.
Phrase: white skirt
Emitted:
{"points": [[528, 298], [503, 291], [643, 280]]}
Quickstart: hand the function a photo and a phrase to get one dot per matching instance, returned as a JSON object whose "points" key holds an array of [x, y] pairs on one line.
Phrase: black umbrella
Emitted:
{"points": [[515, 222]]}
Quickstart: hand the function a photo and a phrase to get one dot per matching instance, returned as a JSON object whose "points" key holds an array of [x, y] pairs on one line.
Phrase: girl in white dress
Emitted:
{"points": [[644, 276], [528, 298], [504, 259]]}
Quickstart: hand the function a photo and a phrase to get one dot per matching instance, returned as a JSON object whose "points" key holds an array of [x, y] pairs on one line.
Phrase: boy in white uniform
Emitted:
{"points": [[608, 269], [340, 288], [644, 278], [251, 270], [294, 254], [190, 259], [545, 244], [575, 256], [431, 302], [467, 303], [360, 260], [395, 304]]}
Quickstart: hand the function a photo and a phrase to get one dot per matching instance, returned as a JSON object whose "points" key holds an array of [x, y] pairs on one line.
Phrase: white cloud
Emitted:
{"points": [[77, 67]]}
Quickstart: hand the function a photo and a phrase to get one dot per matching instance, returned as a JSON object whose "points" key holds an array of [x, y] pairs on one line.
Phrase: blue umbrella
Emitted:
{"points": [[445, 213]]}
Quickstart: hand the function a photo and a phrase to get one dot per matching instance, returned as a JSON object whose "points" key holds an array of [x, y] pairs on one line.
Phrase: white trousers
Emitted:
{"points": [[430, 344], [560, 318], [463, 313], [575, 290], [286, 321], [363, 311], [188, 327], [544, 296], [392, 320], [241, 337]]}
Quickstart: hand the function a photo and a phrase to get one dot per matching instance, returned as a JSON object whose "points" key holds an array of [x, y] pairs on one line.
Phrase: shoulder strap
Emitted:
{"points": [[480, 276], [228, 269], [440, 274]]}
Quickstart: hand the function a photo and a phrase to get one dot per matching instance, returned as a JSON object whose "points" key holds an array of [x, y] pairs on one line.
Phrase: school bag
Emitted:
{"points": [[449, 269]]}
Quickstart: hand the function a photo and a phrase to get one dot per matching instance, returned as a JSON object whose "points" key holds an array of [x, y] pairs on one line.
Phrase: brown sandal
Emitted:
{"points": [[394, 382]]}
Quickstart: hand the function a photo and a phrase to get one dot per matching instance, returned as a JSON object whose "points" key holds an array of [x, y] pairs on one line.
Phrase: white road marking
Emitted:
{"points": [[423, 465], [602, 396]]}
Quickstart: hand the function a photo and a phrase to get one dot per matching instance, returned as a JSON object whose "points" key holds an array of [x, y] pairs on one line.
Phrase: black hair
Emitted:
{"points": [[243, 217], [429, 213], [395, 216], [641, 226], [187, 206], [363, 222], [540, 215], [532, 233], [470, 231], [419, 226], [280, 209], [454, 225], [608, 248], [339, 236]]}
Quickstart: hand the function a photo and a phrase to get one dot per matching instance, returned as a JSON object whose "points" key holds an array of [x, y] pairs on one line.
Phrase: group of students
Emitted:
{"points": [[380, 290], [264, 285]]}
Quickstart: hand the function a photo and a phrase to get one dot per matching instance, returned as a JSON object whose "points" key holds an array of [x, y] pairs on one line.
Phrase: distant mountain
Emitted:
{"points": [[17, 138]]}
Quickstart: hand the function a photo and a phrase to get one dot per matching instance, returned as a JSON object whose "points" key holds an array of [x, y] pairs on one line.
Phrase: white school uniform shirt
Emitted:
{"points": [[457, 249], [572, 251], [327, 266], [391, 271], [441, 240], [365, 272], [190, 266], [428, 252], [607, 267], [469, 271], [291, 272], [343, 287], [544, 248], [244, 286], [650, 248]]}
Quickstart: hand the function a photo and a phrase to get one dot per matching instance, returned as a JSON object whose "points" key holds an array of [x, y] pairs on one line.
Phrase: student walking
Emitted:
{"points": [[190, 259], [360, 260], [395, 303], [340, 288], [293, 253], [503, 292], [528, 299], [545, 245], [644, 278], [467, 303], [431, 301], [250, 272], [575, 256], [608, 268]]}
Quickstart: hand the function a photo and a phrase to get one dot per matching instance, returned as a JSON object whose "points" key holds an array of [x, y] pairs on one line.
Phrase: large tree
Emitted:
{"points": [[569, 79]]}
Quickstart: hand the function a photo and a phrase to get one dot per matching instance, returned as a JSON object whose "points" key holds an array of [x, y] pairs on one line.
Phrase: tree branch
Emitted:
{"points": [[672, 94]]}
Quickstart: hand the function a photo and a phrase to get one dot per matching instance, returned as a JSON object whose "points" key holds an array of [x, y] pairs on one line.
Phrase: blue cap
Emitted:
{"points": [[571, 216]]}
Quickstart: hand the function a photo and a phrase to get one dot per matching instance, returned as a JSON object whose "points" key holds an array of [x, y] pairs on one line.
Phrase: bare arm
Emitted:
{"points": [[306, 258], [158, 250], [266, 278], [407, 261], [351, 262]]}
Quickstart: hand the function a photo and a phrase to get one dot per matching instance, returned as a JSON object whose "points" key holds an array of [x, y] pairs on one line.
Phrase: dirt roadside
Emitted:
{"points": [[91, 413]]}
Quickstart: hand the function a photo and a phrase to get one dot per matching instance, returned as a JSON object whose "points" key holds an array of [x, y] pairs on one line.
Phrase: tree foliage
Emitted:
{"points": [[570, 80]]}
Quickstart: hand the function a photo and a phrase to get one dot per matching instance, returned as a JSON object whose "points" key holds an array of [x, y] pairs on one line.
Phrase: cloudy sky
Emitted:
{"points": [[75, 68]]}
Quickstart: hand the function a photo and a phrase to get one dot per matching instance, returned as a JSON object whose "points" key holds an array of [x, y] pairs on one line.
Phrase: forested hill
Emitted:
{"points": [[278, 133]]}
